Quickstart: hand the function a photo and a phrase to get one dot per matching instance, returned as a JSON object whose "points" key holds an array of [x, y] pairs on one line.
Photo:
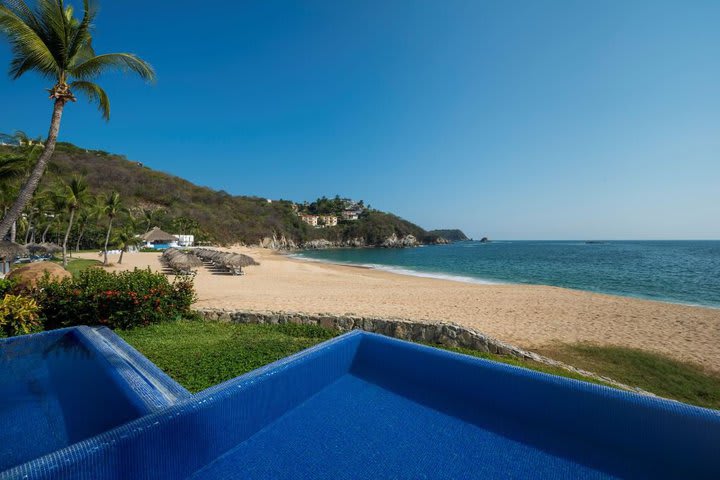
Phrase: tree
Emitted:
{"points": [[125, 239], [86, 216], [112, 206], [75, 194], [56, 44], [14, 168]]}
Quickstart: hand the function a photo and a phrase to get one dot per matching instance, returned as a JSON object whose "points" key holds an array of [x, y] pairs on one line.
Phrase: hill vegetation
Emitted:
{"points": [[154, 198], [451, 235]]}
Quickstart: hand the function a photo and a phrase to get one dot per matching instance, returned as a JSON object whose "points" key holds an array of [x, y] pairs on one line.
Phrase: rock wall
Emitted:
{"points": [[438, 333]]}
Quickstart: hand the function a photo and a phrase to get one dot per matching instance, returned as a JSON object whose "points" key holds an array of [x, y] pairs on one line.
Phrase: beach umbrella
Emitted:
{"points": [[51, 247], [9, 251]]}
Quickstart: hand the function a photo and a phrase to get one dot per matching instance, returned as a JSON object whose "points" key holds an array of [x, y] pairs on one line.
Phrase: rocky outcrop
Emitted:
{"points": [[439, 241], [436, 333], [318, 244], [281, 243], [323, 243], [393, 241]]}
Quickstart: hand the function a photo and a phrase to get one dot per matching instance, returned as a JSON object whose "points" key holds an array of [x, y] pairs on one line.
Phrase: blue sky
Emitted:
{"points": [[511, 119]]}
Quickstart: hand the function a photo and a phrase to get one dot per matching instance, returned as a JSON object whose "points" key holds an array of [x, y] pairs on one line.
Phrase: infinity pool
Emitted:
{"points": [[61, 387], [366, 406]]}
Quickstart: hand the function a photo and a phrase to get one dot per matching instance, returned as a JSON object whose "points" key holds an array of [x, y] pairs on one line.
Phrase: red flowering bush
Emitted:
{"points": [[116, 300]]}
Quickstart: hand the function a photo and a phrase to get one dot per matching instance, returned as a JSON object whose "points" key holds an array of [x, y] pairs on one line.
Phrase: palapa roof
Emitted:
{"points": [[47, 247], [157, 235], [11, 250]]}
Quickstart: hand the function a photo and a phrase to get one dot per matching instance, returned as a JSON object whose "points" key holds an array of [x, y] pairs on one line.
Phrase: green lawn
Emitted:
{"points": [[649, 371], [201, 354], [76, 265]]}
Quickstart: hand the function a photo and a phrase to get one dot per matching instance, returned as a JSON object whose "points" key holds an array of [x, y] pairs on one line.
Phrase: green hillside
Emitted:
{"points": [[213, 216]]}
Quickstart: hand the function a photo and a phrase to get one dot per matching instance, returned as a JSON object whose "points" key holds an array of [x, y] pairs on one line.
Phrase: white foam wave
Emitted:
{"points": [[404, 271]]}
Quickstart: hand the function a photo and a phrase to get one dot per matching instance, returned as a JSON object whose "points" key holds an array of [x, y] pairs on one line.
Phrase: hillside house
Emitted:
{"points": [[328, 220], [351, 215], [311, 220]]}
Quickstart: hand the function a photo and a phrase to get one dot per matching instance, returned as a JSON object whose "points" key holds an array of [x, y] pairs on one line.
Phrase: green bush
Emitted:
{"points": [[6, 286], [115, 300], [19, 316]]}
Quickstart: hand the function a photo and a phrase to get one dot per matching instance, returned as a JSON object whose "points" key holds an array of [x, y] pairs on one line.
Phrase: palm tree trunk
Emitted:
{"points": [[80, 235], [29, 229], [45, 231], [67, 235], [121, 255], [13, 231], [107, 240], [31, 185]]}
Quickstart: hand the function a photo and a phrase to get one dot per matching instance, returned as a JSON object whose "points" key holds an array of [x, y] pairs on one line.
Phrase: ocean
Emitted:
{"points": [[686, 272]]}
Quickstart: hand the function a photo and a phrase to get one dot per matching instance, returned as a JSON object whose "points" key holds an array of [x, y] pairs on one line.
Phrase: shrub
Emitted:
{"points": [[6, 286], [19, 315], [115, 300]]}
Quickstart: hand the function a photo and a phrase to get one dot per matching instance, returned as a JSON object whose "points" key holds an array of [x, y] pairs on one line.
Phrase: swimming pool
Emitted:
{"points": [[58, 388], [366, 406]]}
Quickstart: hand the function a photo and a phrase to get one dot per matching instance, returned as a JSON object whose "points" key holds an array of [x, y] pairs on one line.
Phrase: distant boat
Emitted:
{"points": [[590, 242]]}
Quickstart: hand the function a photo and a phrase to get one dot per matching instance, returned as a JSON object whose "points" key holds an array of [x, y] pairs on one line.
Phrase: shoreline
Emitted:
{"points": [[529, 316], [481, 281]]}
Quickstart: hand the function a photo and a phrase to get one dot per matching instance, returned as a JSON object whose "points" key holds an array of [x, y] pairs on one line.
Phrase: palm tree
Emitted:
{"points": [[112, 206], [75, 194], [125, 239], [52, 42], [86, 216]]}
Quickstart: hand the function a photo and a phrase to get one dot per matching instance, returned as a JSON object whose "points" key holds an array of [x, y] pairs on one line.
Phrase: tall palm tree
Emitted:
{"points": [[125, 239], [53, 42], [86, 215], [75, 194], [112, 206]]}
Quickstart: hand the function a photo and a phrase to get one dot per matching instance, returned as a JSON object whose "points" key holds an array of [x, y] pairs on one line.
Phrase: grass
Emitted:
{"points": [[200, 354], [76, 265], [651, 372]]}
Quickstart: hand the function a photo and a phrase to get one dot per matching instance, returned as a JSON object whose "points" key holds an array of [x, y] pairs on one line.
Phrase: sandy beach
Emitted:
{"points": [[528, 316]]}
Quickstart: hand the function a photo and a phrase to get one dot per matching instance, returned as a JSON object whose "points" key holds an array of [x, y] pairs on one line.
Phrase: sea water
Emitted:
{"points": [[686, 272]]}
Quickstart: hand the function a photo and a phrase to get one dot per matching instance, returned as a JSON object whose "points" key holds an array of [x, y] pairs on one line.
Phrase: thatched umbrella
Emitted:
{"points": [[9, 251], [42, 248], [35, 248], [239, 260], [51, 247]]}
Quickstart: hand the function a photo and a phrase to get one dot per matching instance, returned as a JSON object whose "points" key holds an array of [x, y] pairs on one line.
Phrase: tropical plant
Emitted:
{"points": [[19, 315], [126, 238], [14, 168], [86, 216], [111, 207], [50, 40], [114, 299], [75, 194]]}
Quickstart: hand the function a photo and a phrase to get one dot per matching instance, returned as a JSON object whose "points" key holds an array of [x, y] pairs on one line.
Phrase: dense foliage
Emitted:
{"points": [[115, 300]]}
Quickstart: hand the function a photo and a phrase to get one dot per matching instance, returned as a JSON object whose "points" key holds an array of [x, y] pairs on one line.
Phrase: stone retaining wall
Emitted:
{"points": [[438, 333]]}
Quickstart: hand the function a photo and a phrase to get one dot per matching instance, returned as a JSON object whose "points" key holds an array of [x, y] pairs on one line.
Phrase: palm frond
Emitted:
{"points": [[120, 61], [29, 48], [82, 37], [95, 94]]}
